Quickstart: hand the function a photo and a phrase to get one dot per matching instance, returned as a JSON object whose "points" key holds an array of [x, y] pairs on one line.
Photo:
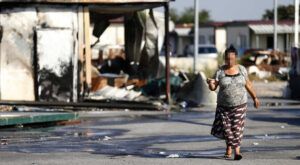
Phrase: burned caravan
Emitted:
{"points": [[45, 45]]}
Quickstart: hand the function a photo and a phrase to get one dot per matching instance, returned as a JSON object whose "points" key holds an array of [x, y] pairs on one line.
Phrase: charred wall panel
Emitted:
{"points": [[54, 53], [16, 53], [26, 41]]}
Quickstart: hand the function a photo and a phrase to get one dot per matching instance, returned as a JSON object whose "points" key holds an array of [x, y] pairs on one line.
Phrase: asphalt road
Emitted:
{"points": [[272, 136]]}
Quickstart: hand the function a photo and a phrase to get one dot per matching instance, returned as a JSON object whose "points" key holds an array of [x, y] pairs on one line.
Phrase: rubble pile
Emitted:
{"points": [[5, 108], [266, 63]]}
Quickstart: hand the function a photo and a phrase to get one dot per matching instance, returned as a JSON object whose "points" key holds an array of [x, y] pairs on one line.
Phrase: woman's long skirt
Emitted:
{"points": [[229, 124]]}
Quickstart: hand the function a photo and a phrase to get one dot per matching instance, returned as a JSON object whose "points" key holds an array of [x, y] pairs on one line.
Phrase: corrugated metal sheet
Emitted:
{"points": [[269, 29], [87, 1]]}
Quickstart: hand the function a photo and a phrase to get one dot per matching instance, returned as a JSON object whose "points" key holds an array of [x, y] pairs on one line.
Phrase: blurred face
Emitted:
{"points": [[230, 59]]}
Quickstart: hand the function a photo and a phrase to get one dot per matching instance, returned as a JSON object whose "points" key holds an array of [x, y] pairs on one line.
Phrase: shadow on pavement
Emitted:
{"points": [[88, 136], [288, 120]]}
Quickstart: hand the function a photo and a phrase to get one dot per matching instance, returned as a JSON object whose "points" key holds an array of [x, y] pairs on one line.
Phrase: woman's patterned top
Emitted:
{"points": [[232, 91]]}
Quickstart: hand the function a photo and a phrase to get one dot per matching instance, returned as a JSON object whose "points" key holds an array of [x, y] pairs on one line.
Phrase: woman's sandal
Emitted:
{"points": [[227, 156], [238, 157], [228, 153]]}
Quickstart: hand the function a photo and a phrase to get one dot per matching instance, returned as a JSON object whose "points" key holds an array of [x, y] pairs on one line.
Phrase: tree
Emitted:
{"points": [[284, 13], [187, 16], [174, 15]]}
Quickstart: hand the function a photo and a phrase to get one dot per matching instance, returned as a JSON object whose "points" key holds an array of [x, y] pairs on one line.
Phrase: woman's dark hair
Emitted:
{"points": [[231, 49]]}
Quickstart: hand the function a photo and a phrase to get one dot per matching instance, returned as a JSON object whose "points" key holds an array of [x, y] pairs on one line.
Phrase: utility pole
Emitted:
{"points": [[275, 25], [296, 63], [167, 54], [196, 33], [296, 32]]}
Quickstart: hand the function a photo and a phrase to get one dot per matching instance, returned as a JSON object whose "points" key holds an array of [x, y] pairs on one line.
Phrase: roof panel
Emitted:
{"points": [[269, 29]]}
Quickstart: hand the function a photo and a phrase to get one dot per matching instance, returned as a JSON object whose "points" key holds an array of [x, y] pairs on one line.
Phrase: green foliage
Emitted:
{"points": [[284, 13], [174, 15], [209, 73], [187, 16], [220, 59], [204, 16]]}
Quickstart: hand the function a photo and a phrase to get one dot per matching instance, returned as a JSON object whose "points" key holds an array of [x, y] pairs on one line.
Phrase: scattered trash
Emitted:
{"points": [[43, 138], [114, 93], [5, 108], [165, 107], [254, 70], [255, 143], [4, 142], [282, 126], [145, 89], [127, 110], [107, 138], [183, 104], [157, 103], [19, 126], [265, 63], [270, 137], [122, 150], [76, 134], [88, 150], [162, 153], [173, 156]]}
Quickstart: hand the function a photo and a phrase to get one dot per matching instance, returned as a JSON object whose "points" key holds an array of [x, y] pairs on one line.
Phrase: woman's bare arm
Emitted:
{"points": [[252, 93]]}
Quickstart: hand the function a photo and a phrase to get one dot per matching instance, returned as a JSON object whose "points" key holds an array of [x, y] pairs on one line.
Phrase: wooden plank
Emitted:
{"points": [[80, 34], [87, 54], [88, 105], [81, 46], [75, 58]]}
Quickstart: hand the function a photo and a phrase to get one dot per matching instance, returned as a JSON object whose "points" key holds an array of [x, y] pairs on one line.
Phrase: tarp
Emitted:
{"points": [[134, 37], [144, 42]]}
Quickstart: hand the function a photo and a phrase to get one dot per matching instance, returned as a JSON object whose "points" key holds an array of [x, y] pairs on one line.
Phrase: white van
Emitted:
{"points": [[204, 51], [206, 59]]}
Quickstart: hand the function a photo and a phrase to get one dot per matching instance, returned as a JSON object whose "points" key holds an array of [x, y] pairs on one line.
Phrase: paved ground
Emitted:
{"points": [[272, 136], [270, 89], [127, 137]]}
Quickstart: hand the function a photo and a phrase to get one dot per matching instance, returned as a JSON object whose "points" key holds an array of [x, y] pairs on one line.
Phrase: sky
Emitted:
{"points": [[229, 10]]}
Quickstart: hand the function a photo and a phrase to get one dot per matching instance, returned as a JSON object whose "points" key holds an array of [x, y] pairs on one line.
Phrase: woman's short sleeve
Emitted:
{"points": [[244, 71], [217, 75]]}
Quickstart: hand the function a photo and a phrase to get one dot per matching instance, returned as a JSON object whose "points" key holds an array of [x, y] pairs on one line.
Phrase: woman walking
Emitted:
{"points": [[232, 80]]}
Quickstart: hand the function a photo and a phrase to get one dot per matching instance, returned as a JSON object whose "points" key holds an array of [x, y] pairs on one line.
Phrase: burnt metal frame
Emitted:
{"points": [[167, 52]]}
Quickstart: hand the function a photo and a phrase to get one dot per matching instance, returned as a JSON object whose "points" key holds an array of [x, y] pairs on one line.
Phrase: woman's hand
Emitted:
{"points": [[256, 102], [210, 81], [212, 84]]}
